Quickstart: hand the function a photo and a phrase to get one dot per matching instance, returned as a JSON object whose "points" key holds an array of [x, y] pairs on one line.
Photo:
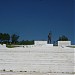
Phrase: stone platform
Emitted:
{"points": [[38, 59]]}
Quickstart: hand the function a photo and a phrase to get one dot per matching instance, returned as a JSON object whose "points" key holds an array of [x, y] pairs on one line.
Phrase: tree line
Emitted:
{"points": [[13, 39], [6, 38]]}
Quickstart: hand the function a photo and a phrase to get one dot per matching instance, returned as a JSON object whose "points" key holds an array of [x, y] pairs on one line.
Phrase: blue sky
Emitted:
{"points": [[33, 19], [74, 21]]}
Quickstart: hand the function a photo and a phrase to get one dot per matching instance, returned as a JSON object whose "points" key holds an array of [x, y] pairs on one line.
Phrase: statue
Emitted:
{"points": [[49, 38]]}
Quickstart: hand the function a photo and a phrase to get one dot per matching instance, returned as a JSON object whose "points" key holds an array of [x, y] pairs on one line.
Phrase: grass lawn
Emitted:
{"points": [[11, 46], [72, 46]]}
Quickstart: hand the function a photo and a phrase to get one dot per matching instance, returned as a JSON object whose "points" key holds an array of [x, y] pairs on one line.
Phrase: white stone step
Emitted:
{"points": [[53, 59]]}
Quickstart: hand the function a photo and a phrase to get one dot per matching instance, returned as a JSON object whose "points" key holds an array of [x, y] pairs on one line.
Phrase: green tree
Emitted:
{"points": [[7, 37], [4, 37], [63, 38], [14, 38], [1, 37]]}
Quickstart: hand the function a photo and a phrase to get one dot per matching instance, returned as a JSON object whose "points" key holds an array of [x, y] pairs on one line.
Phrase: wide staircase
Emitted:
{"points": [[38, 59]]}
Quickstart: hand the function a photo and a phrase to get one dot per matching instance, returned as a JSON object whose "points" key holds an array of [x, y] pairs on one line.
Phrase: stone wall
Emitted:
{"points": [[64, 43], [2, 46], [40, 42]]}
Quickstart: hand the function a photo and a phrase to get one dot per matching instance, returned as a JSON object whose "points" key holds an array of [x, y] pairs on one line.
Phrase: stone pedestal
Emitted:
{"points": [[64, 43], [2, 46], [40, 42]]}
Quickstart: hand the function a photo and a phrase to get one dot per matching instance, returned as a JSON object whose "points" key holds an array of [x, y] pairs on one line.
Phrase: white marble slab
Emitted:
{"points": [[64, 43], [38, 59]]}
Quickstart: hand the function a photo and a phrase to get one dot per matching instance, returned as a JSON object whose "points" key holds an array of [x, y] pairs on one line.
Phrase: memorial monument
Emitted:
{"points": [[49, 38]]}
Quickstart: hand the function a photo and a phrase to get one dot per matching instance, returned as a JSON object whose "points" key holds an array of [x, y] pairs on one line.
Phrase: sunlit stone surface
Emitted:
{"points": [[64, 43], [37, 60], [3, 46]]}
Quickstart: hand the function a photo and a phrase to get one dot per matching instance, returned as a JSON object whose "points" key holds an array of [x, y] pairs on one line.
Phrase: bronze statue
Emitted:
{"points": [[49, 38]]}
